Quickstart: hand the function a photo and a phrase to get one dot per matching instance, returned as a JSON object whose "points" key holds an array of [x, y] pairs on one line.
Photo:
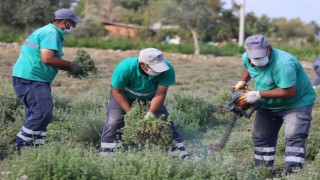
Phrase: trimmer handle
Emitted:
{"points": [[252, 109]]}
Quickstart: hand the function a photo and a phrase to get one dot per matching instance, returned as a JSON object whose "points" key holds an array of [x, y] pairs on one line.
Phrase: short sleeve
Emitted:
{"points": [[49, 40], [168, 77], [119, 78]]}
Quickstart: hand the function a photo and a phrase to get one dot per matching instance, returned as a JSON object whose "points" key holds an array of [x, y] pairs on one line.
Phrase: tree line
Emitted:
{"points": [[199, 20]]}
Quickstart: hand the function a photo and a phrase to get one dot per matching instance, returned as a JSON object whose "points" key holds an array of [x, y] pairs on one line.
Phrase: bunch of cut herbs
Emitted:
{"points": [[140, 131], [87, 65]]}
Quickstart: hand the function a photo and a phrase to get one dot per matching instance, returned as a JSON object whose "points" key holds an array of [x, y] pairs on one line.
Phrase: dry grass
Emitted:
{"points": [[202, 74]]}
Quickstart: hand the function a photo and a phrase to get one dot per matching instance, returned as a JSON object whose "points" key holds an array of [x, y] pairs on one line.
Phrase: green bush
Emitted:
{"points": [[61, 101], [68, 161], [228, 50], [84, 127], [10, 104], [81, 120], [311, 171], [55, 161], [138, 130], [11, 117], [8, 132], [312, 145], [306, 52], [193, 113]]}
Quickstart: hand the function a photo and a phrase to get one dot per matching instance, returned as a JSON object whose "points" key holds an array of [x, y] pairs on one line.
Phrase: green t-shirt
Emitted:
{"points": [[29, 65], [282, 71], [127, 76]]}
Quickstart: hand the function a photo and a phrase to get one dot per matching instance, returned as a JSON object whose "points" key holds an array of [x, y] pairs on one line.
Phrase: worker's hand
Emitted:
{"points": [[149, 115], [240, 85], [75, 67], [251, 96]]}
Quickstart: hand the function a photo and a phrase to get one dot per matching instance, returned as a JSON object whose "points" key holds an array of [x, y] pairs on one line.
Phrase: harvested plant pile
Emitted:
{"points": [[138, 130], [87, 64]]}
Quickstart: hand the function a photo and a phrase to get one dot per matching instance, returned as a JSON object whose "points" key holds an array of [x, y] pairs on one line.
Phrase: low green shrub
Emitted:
{"points": [[10, 104], [310, 171], [227, 50], [84, 128], [305, 52], [61, 101], [193, 113], [312, 145], [81, 119], [11, 117], [137, 130], [8, 132], [54, 161], [10, 37], [94, 100], [69, 161]]}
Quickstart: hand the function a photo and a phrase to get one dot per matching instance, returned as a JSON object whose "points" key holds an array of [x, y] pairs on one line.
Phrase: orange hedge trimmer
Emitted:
{"points": [[239, 108]]}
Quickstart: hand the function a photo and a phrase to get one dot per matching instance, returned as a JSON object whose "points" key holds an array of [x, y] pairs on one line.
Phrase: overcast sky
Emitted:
{"points": [[306, 10]]}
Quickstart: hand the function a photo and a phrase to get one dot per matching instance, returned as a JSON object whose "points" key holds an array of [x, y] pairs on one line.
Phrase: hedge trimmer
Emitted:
{"points": [[239, 108]]}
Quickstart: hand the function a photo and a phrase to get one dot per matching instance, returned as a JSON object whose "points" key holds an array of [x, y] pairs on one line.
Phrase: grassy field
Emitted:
{"points": [[196, 104]]}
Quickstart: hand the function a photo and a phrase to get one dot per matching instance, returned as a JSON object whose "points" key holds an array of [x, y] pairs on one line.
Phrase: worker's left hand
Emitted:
{"points": [[240, 85], [251, 96], [76, 67], [149, 115]]}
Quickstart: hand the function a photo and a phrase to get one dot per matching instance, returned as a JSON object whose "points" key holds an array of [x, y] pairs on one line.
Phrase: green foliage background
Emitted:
{"points": [[212, 23]]}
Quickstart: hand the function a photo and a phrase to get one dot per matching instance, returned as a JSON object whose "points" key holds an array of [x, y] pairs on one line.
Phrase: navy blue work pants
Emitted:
{"points": [[37, 101]]}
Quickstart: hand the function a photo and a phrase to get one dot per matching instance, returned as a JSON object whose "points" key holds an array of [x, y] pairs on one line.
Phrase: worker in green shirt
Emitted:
{"points": [[287, 96], [34, 71], [146, 78]]}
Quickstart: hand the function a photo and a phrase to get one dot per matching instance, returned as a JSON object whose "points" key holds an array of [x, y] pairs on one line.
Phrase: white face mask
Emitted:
{"points": [[259, 62], [151, 72], [68, 30]]}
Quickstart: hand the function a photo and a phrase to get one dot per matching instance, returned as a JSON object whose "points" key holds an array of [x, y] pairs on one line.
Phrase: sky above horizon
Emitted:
{"points": [[306, 10]]}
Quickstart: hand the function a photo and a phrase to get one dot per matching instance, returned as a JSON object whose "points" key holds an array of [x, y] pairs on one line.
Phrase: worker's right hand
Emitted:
{"points": [[149, 115], [240, 85], [75, 67], [251, 96]]}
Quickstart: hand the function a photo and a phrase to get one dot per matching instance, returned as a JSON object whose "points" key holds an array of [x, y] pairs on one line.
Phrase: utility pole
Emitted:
{"points": [[242, 23]]}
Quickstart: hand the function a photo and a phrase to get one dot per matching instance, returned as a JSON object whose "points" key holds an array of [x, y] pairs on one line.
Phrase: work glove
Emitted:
{"points": [[251, 96], [149, 115], [75, 67], [240, 85]]}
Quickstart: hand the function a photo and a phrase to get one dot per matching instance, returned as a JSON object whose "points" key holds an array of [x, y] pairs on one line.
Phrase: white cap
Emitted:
{"points": [[154, 58]]}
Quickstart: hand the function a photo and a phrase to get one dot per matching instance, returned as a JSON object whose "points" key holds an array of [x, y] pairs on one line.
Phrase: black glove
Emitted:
{"points": [[76, 67]]}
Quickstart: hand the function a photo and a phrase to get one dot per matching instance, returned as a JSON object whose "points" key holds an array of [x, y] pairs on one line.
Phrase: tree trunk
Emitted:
{"points": [[195, 41]]}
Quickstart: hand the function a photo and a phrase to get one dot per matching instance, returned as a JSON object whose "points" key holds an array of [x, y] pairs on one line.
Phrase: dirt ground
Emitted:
{"points": [[195, 73]]}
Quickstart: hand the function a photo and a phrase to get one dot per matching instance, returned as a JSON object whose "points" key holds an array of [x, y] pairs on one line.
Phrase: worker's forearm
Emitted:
{"points": [[58, 63], [122, 101], [278, 93], [156, 103], [245, 76]]}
